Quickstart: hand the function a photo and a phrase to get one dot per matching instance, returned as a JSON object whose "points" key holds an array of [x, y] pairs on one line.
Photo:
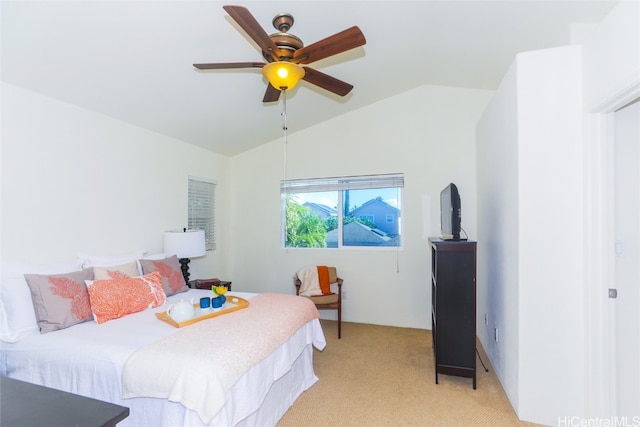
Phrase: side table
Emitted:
{"points": [[207, 283], [26, 404]]}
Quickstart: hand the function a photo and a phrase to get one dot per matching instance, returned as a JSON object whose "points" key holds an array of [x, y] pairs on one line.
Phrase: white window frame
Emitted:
{"points": [[201, 207], [339, 184]]}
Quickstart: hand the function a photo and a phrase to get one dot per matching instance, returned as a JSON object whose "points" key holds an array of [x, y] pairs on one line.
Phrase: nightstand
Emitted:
{"points": [[207, 283]]}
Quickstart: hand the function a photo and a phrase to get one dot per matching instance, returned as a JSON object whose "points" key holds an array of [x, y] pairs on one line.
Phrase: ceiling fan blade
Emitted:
{"points": [[327, 82], [271, 95], [226, 65], [332, 45], [245, 19]]}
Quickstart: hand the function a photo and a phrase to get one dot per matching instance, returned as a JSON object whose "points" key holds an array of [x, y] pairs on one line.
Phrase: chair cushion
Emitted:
{"points": [[325, 299]]}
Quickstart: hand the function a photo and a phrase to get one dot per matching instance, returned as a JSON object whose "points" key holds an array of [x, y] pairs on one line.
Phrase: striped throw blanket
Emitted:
{"points": [[314, 281]]}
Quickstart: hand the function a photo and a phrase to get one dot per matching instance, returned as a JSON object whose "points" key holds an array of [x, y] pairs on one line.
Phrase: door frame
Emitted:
{"points": [[599, 254]]}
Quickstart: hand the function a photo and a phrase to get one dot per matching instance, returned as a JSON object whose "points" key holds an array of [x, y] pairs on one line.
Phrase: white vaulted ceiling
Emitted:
{"points": [[132, 60]]}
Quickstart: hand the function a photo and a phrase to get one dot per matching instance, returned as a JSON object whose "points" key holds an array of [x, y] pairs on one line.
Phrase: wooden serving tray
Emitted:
{"points": [[232, 304]]}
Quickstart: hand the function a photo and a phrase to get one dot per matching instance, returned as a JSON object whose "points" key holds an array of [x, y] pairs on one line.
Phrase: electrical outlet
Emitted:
{"points": [[495, 334], [344, 294]]}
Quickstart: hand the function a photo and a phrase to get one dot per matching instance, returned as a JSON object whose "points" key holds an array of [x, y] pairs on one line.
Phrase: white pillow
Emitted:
{"points": [[17, 315], [109, 260]]}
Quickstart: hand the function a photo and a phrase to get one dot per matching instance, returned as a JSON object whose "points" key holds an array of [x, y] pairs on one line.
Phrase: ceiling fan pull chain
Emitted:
{"points": [[284, 128], [284, 111]]}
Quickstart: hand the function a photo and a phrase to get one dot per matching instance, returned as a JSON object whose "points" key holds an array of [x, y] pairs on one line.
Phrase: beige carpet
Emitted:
{"points": [[384, 376]]}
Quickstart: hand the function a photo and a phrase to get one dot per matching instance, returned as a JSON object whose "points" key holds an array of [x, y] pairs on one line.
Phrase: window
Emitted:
{"points": [[342, 212], [202, 204], [369, 218]]}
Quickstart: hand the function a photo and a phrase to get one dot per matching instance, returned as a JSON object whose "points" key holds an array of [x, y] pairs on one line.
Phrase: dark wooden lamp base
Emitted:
{"points": [[184, 266]]}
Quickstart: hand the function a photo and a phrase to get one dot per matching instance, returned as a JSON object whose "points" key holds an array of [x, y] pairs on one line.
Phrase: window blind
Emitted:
{"points": [[202, 204], [342, 183]]}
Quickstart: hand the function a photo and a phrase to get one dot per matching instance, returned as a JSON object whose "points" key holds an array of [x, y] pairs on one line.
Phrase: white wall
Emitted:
{"points": [[498, 234], [611, 55], [427, 133], [545, 356], [551, 244], [530, 246], [76, 181]]}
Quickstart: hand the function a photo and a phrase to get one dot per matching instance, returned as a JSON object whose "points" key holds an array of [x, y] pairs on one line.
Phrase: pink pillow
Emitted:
{"points": [[60, 300], [112, 299], [169, 269]]}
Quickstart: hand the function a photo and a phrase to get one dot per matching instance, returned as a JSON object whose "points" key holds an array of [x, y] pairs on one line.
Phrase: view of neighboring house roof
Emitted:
{"points": [[322, 210], [368, 203], [380, 215], [357, 234]]}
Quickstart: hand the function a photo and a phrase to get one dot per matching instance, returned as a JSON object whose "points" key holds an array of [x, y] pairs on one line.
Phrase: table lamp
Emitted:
{"points": [[185, 244]]}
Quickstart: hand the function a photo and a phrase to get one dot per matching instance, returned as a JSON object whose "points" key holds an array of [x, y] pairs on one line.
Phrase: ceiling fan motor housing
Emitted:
{"points": [[287, 43]]}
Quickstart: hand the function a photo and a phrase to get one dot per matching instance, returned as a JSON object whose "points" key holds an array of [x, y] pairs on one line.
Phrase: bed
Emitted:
{"points": [[97, 360]]}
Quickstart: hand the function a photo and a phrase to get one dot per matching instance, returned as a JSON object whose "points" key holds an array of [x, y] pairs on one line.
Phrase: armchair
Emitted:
{"points": [[307, 282]]}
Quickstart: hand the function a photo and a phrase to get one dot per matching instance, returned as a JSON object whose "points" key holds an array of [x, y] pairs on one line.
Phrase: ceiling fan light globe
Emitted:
{"points": [[282, 72], [283, 75]]}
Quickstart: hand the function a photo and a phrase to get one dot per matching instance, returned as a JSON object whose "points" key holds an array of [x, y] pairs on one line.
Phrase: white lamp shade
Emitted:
{"points": [[185, 244]]}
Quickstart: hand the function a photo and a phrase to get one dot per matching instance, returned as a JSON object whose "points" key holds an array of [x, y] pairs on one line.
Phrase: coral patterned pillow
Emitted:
{"points": [[169, 269], [60, 300], [112, 299], [129, 269]]}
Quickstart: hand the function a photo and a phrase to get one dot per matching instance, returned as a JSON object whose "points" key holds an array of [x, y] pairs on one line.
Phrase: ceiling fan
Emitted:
{"points": [[287, 56]]}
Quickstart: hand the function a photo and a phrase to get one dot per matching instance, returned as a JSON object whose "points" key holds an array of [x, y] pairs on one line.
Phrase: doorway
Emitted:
{"points": [[624, 313], [601, 262]]}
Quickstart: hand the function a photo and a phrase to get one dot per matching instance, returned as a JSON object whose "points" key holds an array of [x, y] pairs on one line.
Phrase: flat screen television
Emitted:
{"points": [[450, 213]]}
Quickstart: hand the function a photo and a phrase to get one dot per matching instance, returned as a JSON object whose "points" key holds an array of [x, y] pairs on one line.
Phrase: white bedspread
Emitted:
{"points": [[88, 359], [199, 364]]}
